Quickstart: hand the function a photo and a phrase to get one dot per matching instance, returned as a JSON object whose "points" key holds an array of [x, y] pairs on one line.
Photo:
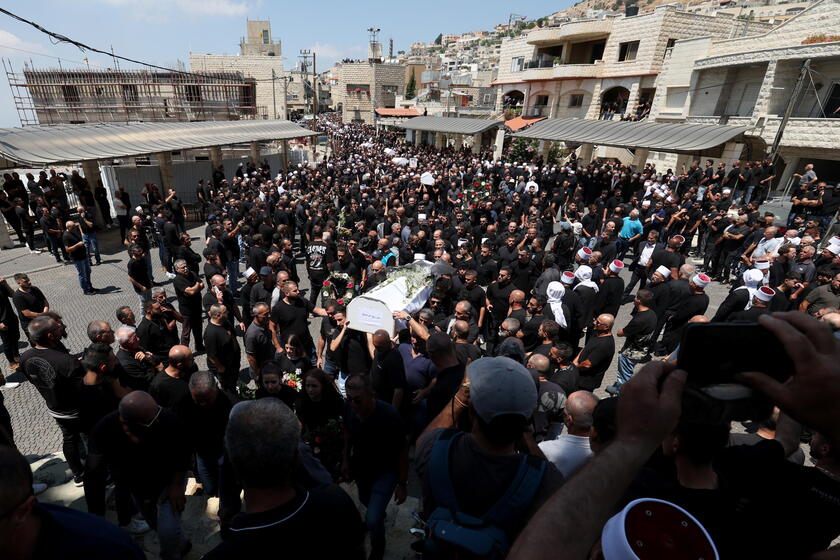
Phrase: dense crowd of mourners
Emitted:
{"points": [[489, 388]]}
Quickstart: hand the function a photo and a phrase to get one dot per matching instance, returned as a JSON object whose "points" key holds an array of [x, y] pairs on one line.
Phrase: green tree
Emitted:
{"points": [[411, 86]]}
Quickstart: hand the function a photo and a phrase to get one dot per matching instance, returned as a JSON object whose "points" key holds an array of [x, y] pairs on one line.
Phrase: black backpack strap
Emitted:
{"points": [[439, 477], [520, 494]]}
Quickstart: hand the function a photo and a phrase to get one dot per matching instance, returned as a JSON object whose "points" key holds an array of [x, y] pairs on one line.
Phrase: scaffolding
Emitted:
{"points": [[58, 96]]}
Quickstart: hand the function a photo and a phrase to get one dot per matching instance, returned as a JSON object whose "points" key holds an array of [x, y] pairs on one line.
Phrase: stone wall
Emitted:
{"points": [[257, 67], [820, 18]]}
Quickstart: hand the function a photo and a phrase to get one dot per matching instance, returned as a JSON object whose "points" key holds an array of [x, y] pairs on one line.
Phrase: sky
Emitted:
{"points": [[163, 32]]}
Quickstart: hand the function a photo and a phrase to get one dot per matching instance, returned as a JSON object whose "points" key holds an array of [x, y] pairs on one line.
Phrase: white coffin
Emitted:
{"points": [[373, 311]]}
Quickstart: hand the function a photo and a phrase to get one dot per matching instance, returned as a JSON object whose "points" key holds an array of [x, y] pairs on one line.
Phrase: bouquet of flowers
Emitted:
{"points": [[339, 286], [292, 380], [474, 194]]}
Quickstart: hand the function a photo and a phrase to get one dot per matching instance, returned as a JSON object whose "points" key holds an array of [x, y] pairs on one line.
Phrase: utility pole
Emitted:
{"points": [[448, 97], [314, 87], [305, 54], [273, 93]]}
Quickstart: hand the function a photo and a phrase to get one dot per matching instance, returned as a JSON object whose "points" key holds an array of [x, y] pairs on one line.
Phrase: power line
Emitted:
{"points": [[56, 38]]}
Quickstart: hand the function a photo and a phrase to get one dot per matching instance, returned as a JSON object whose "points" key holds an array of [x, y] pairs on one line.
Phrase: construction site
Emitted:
{"points": [[57, 96]]}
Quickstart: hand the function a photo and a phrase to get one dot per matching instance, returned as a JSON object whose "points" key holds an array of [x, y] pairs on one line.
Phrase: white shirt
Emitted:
{"points": [[568, 453], [647, 251]]}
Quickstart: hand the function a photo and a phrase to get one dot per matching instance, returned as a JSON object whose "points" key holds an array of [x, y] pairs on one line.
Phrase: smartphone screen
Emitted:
{"points": [[713, 353]]}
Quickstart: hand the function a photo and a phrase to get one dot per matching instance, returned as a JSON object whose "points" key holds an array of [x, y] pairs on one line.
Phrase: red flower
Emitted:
{"points": [[349, 285], [460, 196], [292, 383], [318, 439], [327, 283], [341, 302]]}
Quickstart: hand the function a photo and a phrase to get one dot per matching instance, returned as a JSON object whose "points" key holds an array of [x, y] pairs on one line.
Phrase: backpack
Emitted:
{"points": [[450, 532]]}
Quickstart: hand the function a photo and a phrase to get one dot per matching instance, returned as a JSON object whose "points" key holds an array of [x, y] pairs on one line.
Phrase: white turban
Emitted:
{"points": [[555, 292]]}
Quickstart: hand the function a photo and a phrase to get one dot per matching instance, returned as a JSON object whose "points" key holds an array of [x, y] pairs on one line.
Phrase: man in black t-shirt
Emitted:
{"points": [[188, 291], [9, 326], [170, 386], [375, 455], [147, 454], [638, 333], [29, 301], [597, 354], [223, 353], [387, 372], [259, 347], [152, 332], [75, 247], [57, 376], [317, 259], [289, 316], [289, 514]]}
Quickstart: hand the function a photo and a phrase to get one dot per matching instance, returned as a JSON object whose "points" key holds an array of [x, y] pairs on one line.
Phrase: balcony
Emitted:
{"points": [[581, 30], [534, 74], [562, 71]]}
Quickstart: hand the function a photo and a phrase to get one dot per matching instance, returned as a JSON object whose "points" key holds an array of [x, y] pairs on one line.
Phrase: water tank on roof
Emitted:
{"points": [[631, 10]]}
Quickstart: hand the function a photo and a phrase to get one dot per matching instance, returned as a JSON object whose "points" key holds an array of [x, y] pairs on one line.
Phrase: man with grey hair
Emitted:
{"points": [[570, 451], [278, 511], [188, 288], [143, 446], [259, 348], [138, 365], [100, 331]]}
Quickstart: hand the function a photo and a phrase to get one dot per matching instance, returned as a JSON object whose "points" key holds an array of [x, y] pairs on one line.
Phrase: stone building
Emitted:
{"points": [[575, 68], [260, 58], [367, 85], [753, 81]]}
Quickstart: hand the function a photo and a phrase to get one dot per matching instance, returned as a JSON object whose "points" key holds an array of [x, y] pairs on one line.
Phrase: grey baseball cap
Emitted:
{"points": [[501, 386]]}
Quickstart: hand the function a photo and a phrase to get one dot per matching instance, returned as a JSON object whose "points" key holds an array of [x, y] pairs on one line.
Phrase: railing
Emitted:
{"points": [[539, 63]]}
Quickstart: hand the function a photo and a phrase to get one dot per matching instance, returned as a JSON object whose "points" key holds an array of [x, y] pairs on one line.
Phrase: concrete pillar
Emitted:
{"points": [[418, 137], [640, 158], [255, 153], [594, 110], [5, 238], [284, 155], [167, 176], [440, 140], [585, 153], [500, 144], [90, 169], [545, 147], [633, 98], [216, 156], [476, 144]]}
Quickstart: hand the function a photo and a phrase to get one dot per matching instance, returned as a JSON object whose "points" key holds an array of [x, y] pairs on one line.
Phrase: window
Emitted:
{"points": [[675, 98], [541, 101], [517, 64], [265, 36], [576, 100], [628, 51], [668, 46], [487, 97]]}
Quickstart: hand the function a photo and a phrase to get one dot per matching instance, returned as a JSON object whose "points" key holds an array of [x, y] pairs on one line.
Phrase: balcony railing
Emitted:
{"points": [[539, 63]]}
